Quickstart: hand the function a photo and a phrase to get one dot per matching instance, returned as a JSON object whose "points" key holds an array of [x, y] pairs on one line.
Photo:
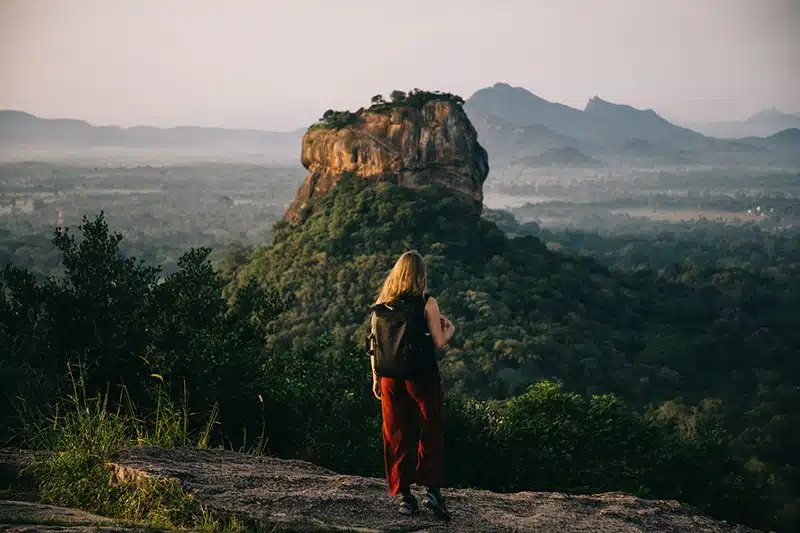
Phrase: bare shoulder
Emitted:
{"points": [[431, 307]]}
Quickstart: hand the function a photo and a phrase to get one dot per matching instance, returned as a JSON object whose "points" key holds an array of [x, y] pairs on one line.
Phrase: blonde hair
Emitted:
{"points": [[408, 276]]}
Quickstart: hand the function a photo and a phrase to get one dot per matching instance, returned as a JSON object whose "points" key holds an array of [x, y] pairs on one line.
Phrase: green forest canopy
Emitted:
{"points": [[686, 374]]}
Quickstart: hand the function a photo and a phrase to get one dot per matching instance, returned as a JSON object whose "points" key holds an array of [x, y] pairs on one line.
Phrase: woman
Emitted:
{"points": [[406, 328]]}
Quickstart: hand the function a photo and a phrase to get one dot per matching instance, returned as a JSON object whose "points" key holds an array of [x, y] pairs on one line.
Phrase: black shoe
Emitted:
{"points": [[408, 505], [435, 502]]}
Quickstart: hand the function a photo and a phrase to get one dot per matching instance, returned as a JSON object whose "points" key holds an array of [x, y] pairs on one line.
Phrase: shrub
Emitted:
{"points": [[336, 119], [81, 436]]}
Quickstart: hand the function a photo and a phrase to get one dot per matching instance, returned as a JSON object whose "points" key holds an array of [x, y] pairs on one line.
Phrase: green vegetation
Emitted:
{"points": [[526, 314], [82, 435], [163, 210], [123, 321], [336, 120], [548, 439], [565, 375], [416, 99]]}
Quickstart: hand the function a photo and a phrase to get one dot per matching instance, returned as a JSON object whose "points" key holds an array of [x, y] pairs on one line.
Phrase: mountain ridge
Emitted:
{"points": [[509, 142], [6, 114], [22, 129], [601, 122], [568, 156], [512, 122], [764, 124], [517, 125]]}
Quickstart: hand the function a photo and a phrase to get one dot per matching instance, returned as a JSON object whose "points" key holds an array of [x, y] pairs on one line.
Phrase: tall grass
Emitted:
{"points": [[82, 433]]}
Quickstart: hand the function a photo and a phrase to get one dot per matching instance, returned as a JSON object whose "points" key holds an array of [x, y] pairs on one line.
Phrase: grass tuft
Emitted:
{"points": [[83, 433]]}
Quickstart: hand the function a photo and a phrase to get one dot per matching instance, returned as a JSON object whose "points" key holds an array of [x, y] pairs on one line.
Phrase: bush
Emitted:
{"points": [[336, 120], [551, 440], [123, 321], [81, 437], [290, 380]]}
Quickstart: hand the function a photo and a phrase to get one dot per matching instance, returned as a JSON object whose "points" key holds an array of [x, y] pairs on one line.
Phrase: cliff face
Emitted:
{"points": [[434, 145]]}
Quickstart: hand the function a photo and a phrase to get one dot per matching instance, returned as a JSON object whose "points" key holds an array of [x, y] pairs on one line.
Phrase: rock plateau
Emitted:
{"points": [[434, 145]]}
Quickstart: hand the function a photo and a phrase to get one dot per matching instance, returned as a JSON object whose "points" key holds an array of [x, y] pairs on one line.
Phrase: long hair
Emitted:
{"points": [[409, 276]]}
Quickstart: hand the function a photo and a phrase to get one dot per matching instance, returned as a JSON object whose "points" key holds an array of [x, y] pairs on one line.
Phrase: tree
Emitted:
{"points": [[397, 96], [378, 99], [116, 321]]}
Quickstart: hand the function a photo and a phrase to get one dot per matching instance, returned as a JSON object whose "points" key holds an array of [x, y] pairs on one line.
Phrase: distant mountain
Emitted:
{"points": [[791, 135], [523, 108], [22, 129], [507, 142], [559, 157], [621, 123], [601, 123], [787, 140], [762, 124]]}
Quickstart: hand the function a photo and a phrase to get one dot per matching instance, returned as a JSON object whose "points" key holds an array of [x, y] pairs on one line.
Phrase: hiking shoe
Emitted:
{"points": [[408, 505], [435, 502]]}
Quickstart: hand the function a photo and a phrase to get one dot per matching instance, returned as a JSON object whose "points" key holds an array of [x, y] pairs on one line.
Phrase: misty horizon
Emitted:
{"points": [[268, 66], [303, 127]]}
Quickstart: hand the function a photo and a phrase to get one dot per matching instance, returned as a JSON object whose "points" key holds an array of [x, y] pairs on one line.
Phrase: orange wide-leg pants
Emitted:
{"points": [[413, 433]]}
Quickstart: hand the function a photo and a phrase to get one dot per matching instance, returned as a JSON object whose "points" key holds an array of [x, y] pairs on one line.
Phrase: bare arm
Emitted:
{"points": [[441, 335], [376, 383]]}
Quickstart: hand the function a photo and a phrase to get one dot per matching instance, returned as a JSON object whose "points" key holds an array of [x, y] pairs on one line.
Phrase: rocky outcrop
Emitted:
{"points": [[24, 517], [299, 496], [434, 145], [16, 479]]}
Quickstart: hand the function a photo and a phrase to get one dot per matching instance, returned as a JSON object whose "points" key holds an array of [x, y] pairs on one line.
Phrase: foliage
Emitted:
{"points": [[81, 437], [336, 120], [549, 439], [124, 322], [620, 343], [398, 96], [647, 337], [162, 210], [415, 99]]}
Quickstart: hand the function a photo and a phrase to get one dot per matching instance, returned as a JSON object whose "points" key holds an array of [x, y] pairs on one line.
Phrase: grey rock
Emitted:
{"points": [[301, 496], [24, 517]]}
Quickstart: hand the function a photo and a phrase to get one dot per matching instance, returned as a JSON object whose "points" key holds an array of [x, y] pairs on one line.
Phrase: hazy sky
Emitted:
{"points": [[278, 64]]}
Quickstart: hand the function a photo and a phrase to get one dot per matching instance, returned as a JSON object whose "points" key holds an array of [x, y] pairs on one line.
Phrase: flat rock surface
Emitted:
{"points": [[19, 517], [305, 497]]}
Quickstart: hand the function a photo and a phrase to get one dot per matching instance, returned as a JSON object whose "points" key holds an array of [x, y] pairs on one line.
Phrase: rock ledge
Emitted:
{"points": [[301, 496]]}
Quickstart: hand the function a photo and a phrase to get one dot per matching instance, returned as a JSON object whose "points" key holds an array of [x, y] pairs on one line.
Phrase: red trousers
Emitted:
{"points": [[413, 443]]}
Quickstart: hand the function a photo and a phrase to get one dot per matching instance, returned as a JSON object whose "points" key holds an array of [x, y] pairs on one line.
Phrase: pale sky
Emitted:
{"points": [[278, 65]]}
